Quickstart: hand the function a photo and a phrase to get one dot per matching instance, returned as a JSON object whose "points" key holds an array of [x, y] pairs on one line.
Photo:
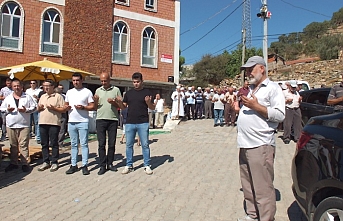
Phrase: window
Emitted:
{"points": [[120, 43], [151, 5], [123, 2], [11, 26], [51, 31], [149, 47]]}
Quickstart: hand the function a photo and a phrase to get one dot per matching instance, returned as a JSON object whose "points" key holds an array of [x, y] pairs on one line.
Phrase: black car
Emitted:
{"points": [[317, 168], [314, 103]]}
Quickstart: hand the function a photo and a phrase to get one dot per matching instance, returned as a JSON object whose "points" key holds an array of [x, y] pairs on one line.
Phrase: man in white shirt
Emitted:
{"points": [[262, 110], [33, 91], [190, 106], [218, 108], [4, 92], [18, 106], [79, 101], [293, 113], [159, 111]]}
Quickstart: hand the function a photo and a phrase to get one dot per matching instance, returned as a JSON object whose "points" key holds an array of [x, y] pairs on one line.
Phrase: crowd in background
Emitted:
{"points": [[220, 103]]}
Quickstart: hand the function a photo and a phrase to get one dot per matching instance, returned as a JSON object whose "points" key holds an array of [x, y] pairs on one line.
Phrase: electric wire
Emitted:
{"points": [[305, 9], [213, 27], [206, 20]]}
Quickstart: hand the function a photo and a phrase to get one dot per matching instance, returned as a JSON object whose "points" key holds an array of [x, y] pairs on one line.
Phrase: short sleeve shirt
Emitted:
{"points": [[105, 110], [137, 107], [47, 116], [337, 92], [74, 97]]}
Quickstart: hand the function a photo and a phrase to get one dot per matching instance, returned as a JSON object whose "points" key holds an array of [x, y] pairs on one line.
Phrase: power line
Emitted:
{"points": [[305, 9], [203, 22], [214, 27]]}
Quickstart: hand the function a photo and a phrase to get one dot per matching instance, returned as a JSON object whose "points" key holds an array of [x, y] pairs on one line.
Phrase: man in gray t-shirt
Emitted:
{"points": [[336, 96]]}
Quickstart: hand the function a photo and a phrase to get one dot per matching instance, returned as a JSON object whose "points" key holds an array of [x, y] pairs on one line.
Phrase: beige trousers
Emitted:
{"points": [[257, 176], [159, 118], [19, 141]]}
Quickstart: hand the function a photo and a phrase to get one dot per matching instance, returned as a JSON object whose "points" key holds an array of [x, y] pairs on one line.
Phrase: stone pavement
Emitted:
{"points": [[196, 177]]}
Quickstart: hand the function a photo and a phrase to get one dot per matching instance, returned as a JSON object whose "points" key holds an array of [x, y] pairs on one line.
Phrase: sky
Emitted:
{"points": [[199, 17]]}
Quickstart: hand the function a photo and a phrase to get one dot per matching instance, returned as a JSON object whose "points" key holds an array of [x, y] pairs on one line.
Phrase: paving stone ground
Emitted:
{"points": [[196, 177]]}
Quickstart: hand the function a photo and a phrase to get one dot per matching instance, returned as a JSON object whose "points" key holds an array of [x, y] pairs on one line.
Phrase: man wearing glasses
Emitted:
{"points": [[33, 91]]}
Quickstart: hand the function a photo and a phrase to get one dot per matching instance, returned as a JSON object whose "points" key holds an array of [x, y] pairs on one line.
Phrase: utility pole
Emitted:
{"points": [[243, 55], [265, 37], [265, 14]]}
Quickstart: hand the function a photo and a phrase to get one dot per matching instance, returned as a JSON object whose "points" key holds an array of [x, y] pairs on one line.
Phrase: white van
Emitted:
{"points": [[305, 85]]}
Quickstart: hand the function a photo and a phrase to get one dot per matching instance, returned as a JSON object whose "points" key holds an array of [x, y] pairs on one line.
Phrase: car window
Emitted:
{"points": [[305, 87], [318, 97]]}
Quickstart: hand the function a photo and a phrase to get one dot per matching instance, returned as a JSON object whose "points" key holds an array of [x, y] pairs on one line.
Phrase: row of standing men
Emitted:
{"points": [[17, 107]]}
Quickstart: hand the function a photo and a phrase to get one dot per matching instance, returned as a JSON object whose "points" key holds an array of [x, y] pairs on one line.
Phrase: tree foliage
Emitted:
{"points": [[213, 69], [317, 39]]}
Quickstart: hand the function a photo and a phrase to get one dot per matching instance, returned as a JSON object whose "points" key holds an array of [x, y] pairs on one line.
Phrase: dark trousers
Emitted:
{"points": [[198, 109], [190, 109], [49, 135], [62, 133], [109, 126], [229, 114], [292, 118]]}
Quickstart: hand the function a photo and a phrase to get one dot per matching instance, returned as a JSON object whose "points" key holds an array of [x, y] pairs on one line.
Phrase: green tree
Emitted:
{"points": [[337, 17]]}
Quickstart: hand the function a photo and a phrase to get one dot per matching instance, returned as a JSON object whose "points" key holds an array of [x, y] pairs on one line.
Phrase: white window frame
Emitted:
{"points": [[21, 28], [126, 3], [127, 58], [60, 44], [150, 6], [154, 65]]}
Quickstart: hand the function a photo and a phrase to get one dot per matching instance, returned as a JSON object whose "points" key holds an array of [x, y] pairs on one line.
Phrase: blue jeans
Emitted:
{"points": [[78, 131], [35, 116], [218, 114], [143, 133]]}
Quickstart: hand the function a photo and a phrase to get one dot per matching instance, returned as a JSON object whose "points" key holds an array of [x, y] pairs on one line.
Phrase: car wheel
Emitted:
{"points": [[330, 209]]}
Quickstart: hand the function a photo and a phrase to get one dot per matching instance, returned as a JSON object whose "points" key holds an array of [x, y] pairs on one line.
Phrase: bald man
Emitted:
{"points": [[106, 121]]}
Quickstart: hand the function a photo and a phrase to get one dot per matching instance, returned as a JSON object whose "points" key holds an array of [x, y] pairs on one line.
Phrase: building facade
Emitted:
{"points": [[115, 36]]}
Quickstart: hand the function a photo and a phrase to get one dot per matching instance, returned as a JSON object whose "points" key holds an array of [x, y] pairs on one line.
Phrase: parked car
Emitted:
{"points": [[314, 103], [317, 168]]}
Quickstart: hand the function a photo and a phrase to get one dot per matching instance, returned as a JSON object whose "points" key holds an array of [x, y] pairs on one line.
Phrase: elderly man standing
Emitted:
{"points": [[208, 103], [292, 114], [262, 110], [229, 109], [106, 121], [336, 96], [18, 106], [177, 108]]}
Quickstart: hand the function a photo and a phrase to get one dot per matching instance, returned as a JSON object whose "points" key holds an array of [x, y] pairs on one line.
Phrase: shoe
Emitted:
{"points": [[72, 170], [112, 168], [127, 170], [148, 170], [11, 167], [102, 170], [222, 125], [247, 218], [38, 142], [85, 170], [54, 167], [286, 141], [44, 166], [25, 168], [215, 125]]}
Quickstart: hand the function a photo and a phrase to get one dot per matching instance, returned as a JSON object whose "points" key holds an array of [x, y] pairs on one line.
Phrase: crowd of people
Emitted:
{"points": [[221, 103], [52, 112], [259, 109]]}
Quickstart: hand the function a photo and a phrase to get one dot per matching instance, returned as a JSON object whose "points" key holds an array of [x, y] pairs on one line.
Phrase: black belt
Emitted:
{"points": [[294, 108]]}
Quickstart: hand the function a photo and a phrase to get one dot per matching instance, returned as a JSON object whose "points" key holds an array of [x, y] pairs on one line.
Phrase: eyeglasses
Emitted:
{"points": [[32, 83]]}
